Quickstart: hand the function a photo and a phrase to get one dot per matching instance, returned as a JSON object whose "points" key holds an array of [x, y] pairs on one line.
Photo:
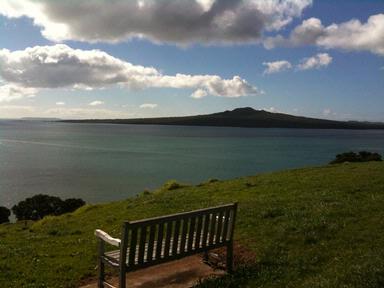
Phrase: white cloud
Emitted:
{"points": [[199, 93], [213, 84], [60, 103], [96, 103], [276, 66], [10, 92], [351, 35], [173, 21], [60, 66], [316, 62], [148, 106]]}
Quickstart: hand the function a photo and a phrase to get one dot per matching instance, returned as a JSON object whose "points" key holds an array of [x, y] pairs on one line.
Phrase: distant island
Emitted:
{"points": [[243, 117], [43, 119]]}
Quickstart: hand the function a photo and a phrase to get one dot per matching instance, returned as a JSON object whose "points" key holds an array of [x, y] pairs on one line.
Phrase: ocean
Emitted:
{"points": [[106, 162]]}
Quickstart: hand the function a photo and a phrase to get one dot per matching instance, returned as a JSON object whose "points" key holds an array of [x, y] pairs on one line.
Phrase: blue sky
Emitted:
{"points": [[338, 74]]}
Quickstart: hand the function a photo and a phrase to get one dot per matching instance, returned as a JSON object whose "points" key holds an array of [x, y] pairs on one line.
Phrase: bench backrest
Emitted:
{"points": [[155, 240]]}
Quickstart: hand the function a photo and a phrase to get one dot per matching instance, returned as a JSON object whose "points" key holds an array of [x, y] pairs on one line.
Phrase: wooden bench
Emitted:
{"points": [[157, 240]]}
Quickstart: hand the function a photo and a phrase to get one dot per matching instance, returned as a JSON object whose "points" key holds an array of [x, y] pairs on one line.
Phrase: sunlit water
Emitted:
{"points": [[103, 162]]}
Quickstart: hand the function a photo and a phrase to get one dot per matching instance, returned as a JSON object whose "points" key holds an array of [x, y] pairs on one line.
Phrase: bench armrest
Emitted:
{"points": [[107, 238]]}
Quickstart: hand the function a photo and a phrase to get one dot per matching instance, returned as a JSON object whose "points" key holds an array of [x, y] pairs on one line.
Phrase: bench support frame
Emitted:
{"points": [[162, 239]]}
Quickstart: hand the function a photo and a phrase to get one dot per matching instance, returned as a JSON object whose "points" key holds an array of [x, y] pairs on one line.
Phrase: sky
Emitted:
{"points": [[151, 58]]}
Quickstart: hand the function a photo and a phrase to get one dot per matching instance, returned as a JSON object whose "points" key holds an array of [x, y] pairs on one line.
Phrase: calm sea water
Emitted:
{"points": [[103, 162]]}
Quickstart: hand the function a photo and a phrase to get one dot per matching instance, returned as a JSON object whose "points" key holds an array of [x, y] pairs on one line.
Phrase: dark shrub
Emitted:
{"points": [[362, 156], [4, 214], [368, 156], [72, 204], [345, 157], [38, 206]]}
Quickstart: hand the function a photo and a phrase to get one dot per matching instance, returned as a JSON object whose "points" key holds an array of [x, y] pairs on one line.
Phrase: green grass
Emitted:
{"points": [[314, 227]]}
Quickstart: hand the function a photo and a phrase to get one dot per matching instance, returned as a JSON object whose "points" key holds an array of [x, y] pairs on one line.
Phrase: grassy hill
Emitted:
{"points": [[244, 117], [314, 227]]}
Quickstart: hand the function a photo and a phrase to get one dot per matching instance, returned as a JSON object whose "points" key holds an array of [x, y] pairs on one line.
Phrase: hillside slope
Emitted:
{"points": [[314, 227], [244, 117]]}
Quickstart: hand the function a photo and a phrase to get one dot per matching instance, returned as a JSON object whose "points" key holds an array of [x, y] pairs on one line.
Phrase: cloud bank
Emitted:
{"points": [[185, 22], [59, 66], [148, 106], [316, 62], [174, 21], [199, 93], [351, 35], [96, 103], [277, 66], [10, 92]]}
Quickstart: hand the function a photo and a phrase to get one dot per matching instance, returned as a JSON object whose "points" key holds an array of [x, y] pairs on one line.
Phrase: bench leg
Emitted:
{"points": [[101, 275], [100, 265], [122, 283], [230, 257]]}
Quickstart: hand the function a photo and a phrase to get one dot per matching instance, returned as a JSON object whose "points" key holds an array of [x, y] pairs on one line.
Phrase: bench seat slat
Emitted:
{"points": [[219, 227], [191, 234], [114, 262], [159, 242], [151, 242], [114, 255], [168, 236], [176, 238], [184, 235], [212, 228], [205, 230], [225, 224], [132, 248], [196, 244], [143, 246]]}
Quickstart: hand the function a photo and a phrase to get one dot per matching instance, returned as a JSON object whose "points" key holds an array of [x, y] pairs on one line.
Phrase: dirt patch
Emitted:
{"points": [[242, 256], [181, 273], [176, 274]]}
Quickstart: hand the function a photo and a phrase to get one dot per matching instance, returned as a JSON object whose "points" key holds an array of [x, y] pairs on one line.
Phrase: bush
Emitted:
{"points": [[72, 204], [144, 193], [362, 156], [4, 214], [172, 185], [368, 156], [38, 206]]}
